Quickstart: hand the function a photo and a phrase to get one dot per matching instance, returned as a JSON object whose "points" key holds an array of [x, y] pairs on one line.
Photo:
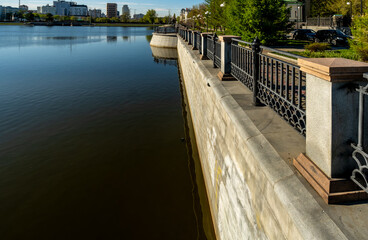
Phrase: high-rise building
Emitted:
{"points": [[23, 8], [95, 13], [125, 10], [111, 10], [138, 16], [46, 9], [64, 8], [7, 13]]}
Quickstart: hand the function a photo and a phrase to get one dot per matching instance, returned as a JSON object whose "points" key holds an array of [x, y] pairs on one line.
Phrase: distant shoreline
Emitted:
{"points": [[94, 24]]}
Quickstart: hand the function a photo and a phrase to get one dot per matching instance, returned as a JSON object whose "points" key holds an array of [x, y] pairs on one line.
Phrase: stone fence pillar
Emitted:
{"points": [[204, 45], [332, 106], [225, 42]]}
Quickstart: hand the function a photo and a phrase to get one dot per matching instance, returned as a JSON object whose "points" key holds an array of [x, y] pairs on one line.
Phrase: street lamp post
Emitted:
{"points": [[297, 17], [361, 7], [207, 18], [351, 8]]}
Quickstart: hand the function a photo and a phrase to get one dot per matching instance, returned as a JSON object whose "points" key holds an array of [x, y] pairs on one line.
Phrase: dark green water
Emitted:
{"points": [[91, 132]]}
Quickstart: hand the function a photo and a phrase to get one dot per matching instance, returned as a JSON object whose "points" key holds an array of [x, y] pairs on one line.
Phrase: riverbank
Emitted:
{"points": [[10, 23], [94, 24]]}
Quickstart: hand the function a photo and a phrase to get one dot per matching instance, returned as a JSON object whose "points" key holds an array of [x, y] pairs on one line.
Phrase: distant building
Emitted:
{"points": [[111, 10], [299, 10], [78, 10], [95, 13], [125, 10], [23, 8], [138, 16], [64, 8], [184, 14], [46, 9], [7, 13]]}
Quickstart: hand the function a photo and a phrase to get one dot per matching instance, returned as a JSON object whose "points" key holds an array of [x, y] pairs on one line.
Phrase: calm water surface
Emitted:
{"points": [[91, 132]]}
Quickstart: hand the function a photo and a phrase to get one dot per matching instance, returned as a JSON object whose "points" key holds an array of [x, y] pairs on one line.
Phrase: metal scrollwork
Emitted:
{"points": [[360, 175]]}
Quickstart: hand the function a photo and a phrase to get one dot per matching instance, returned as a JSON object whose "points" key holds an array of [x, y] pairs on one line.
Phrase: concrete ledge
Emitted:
{"points": [[164, 40], [253, 193]]}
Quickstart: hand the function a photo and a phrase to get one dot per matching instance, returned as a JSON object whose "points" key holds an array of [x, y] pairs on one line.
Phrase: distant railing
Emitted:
{"points": [[360, 175], [279, 84], [217, 51], [165, 30], [320, 21], [210, 46]]}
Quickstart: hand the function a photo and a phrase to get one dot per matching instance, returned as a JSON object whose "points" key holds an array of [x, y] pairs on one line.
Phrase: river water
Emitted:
{"points": [[94, 138]]}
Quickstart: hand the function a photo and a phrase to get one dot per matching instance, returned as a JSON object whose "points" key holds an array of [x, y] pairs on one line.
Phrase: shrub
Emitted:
{"points": [[317, 47], [360, 42]]}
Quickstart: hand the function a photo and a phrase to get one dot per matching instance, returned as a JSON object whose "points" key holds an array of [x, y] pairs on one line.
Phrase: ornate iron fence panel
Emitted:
{"points": [[218, 54], [242, 63], [360, 175], [282, 87], [210, 46]]}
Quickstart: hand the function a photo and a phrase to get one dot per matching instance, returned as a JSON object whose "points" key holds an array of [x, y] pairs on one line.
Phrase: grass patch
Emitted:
{"points": [[291, 42], [10, 23], [343, 53], [126, 25]]}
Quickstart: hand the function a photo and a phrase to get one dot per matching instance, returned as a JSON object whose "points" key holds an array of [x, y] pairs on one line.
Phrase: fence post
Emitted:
{"points": [[190, 35], [256, 68], [214, 49], [332, 107], [195, 35], [226, 41], [204, 46]]}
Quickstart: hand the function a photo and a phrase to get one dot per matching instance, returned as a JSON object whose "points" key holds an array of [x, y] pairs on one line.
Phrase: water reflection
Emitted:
{"points": [[148, 38], [165, 56], [22, 36], [111, 38]]}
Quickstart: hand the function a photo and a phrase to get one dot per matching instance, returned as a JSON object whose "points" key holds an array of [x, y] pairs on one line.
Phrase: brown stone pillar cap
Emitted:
{"points": [[334, 69], [227, 38]]}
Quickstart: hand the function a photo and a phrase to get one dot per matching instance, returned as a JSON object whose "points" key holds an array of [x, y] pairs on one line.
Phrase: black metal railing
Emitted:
{"points": [[165, 30], [210, 46], [282, 86], [360, 156], [242, 62], [279, 84], [217, 51]]}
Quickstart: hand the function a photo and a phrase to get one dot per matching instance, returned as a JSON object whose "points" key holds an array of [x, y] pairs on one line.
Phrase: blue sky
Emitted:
{"points": [[139, 6]]}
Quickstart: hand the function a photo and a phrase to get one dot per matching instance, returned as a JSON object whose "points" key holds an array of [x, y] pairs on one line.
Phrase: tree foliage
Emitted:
{"points": [[360, 32], [265, 19], [150, 16], [326, 8]]}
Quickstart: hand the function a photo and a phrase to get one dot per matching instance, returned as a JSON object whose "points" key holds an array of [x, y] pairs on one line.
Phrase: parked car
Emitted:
{"points": [[304, 34], [334, 37]]}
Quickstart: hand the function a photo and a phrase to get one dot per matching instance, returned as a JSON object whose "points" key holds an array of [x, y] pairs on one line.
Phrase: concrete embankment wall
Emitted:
{"points": [[164, 40], [252, 192]]}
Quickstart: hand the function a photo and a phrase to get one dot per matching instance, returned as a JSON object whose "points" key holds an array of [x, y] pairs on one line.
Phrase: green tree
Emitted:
{"points": [[49, 17], [360, 42], [265, 19], [29, 16], [125, 17], [150, 16]]}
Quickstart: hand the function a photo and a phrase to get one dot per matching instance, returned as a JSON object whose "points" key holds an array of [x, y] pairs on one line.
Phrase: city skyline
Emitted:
{"points": [[162, 7]]}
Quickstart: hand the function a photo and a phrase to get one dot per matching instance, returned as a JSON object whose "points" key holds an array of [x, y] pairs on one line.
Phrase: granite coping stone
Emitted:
{"points": [[334, 69]]}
